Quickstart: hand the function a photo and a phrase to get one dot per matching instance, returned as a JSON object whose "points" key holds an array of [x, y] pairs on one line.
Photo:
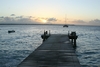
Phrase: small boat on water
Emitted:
{"points": [[11, 31], [65, 25]]}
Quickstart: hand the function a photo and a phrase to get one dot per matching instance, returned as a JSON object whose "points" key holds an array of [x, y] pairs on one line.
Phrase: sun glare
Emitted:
{"points": [[44, 21]]}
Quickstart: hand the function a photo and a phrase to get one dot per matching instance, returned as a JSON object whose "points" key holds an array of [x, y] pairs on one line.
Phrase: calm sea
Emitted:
{"points": [[15, 47]]}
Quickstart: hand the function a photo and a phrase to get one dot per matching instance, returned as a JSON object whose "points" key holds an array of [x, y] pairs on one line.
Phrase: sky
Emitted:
{"points": [[80, 12]]}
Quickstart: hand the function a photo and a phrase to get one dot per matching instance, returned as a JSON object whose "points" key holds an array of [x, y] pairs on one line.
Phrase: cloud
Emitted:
{"points": [[91, 22], [37, 20], [1, 17], [51, 19], [19, 17], [48, 20], [79, 22], [30, 17], [7, 19], [12, 15], [95, 21], [18, 20]]}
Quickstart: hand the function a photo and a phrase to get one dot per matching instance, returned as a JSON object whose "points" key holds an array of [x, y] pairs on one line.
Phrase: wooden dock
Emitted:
{"points": [[56, 51]]}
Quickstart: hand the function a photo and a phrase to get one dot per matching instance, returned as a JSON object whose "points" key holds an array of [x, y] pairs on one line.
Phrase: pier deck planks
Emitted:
{"points": [[56, 51]]}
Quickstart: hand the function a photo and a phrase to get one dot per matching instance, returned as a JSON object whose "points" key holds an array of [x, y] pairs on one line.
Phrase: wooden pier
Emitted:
{"points": [[56, 51]]}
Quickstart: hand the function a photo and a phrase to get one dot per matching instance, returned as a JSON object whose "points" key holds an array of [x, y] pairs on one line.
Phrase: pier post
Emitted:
{"points": [[44, 36], [49, 32], [68, 33], [74, 39]]}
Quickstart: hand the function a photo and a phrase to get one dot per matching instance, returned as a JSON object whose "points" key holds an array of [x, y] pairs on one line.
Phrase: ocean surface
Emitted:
{"points": [[15, 47]]}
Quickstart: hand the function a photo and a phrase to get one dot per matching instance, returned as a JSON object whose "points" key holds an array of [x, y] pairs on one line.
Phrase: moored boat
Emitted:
{"points": [[11, 31]]}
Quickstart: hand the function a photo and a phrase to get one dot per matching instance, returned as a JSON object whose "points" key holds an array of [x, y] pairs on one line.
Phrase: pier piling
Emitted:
{"points": [[73, 38]]}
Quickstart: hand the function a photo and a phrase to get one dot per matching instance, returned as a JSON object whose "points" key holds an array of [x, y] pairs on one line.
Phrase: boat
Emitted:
{"points": [[65, 23], [11, 31]]}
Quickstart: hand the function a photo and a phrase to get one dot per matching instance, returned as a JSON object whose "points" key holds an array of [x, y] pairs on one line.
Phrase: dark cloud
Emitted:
{"points": [[79, 21], [7, 19], [17, 17], [94, 22], [18, 20], [20, 17], [1, 17], [51, 19], [30, 17], [12, 15]]}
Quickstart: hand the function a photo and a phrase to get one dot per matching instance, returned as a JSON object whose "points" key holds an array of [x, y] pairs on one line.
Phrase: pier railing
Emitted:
{"points": [[72, 36]]}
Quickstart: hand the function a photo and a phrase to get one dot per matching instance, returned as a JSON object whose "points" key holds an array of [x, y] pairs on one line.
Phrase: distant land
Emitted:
{"points": [[51, 24], [35, 24]]}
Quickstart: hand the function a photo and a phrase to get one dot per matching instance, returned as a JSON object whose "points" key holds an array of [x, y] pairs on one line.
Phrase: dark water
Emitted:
{"points": [[15, 47]]}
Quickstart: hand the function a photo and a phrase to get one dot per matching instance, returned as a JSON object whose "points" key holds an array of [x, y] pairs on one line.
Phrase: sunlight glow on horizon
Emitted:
{"points": [[44, 21]]}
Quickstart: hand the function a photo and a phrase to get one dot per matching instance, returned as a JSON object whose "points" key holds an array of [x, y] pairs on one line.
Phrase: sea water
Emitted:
{"points": [[15, 47]]}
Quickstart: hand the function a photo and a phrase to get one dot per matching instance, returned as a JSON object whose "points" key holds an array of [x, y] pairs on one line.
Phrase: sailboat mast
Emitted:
{"points": [[65, 22], [65, 18]]}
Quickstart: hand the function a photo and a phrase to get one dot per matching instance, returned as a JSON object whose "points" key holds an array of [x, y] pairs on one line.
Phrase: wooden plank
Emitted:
{"points": [[56, 51]]}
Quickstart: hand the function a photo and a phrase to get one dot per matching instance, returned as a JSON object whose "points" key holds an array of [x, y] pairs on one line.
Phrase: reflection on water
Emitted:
{"points": [[14, 47]]}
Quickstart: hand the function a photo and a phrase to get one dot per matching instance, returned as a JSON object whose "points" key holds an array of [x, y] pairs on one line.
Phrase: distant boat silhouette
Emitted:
{"points": [[65, 23], [11, 31]]}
